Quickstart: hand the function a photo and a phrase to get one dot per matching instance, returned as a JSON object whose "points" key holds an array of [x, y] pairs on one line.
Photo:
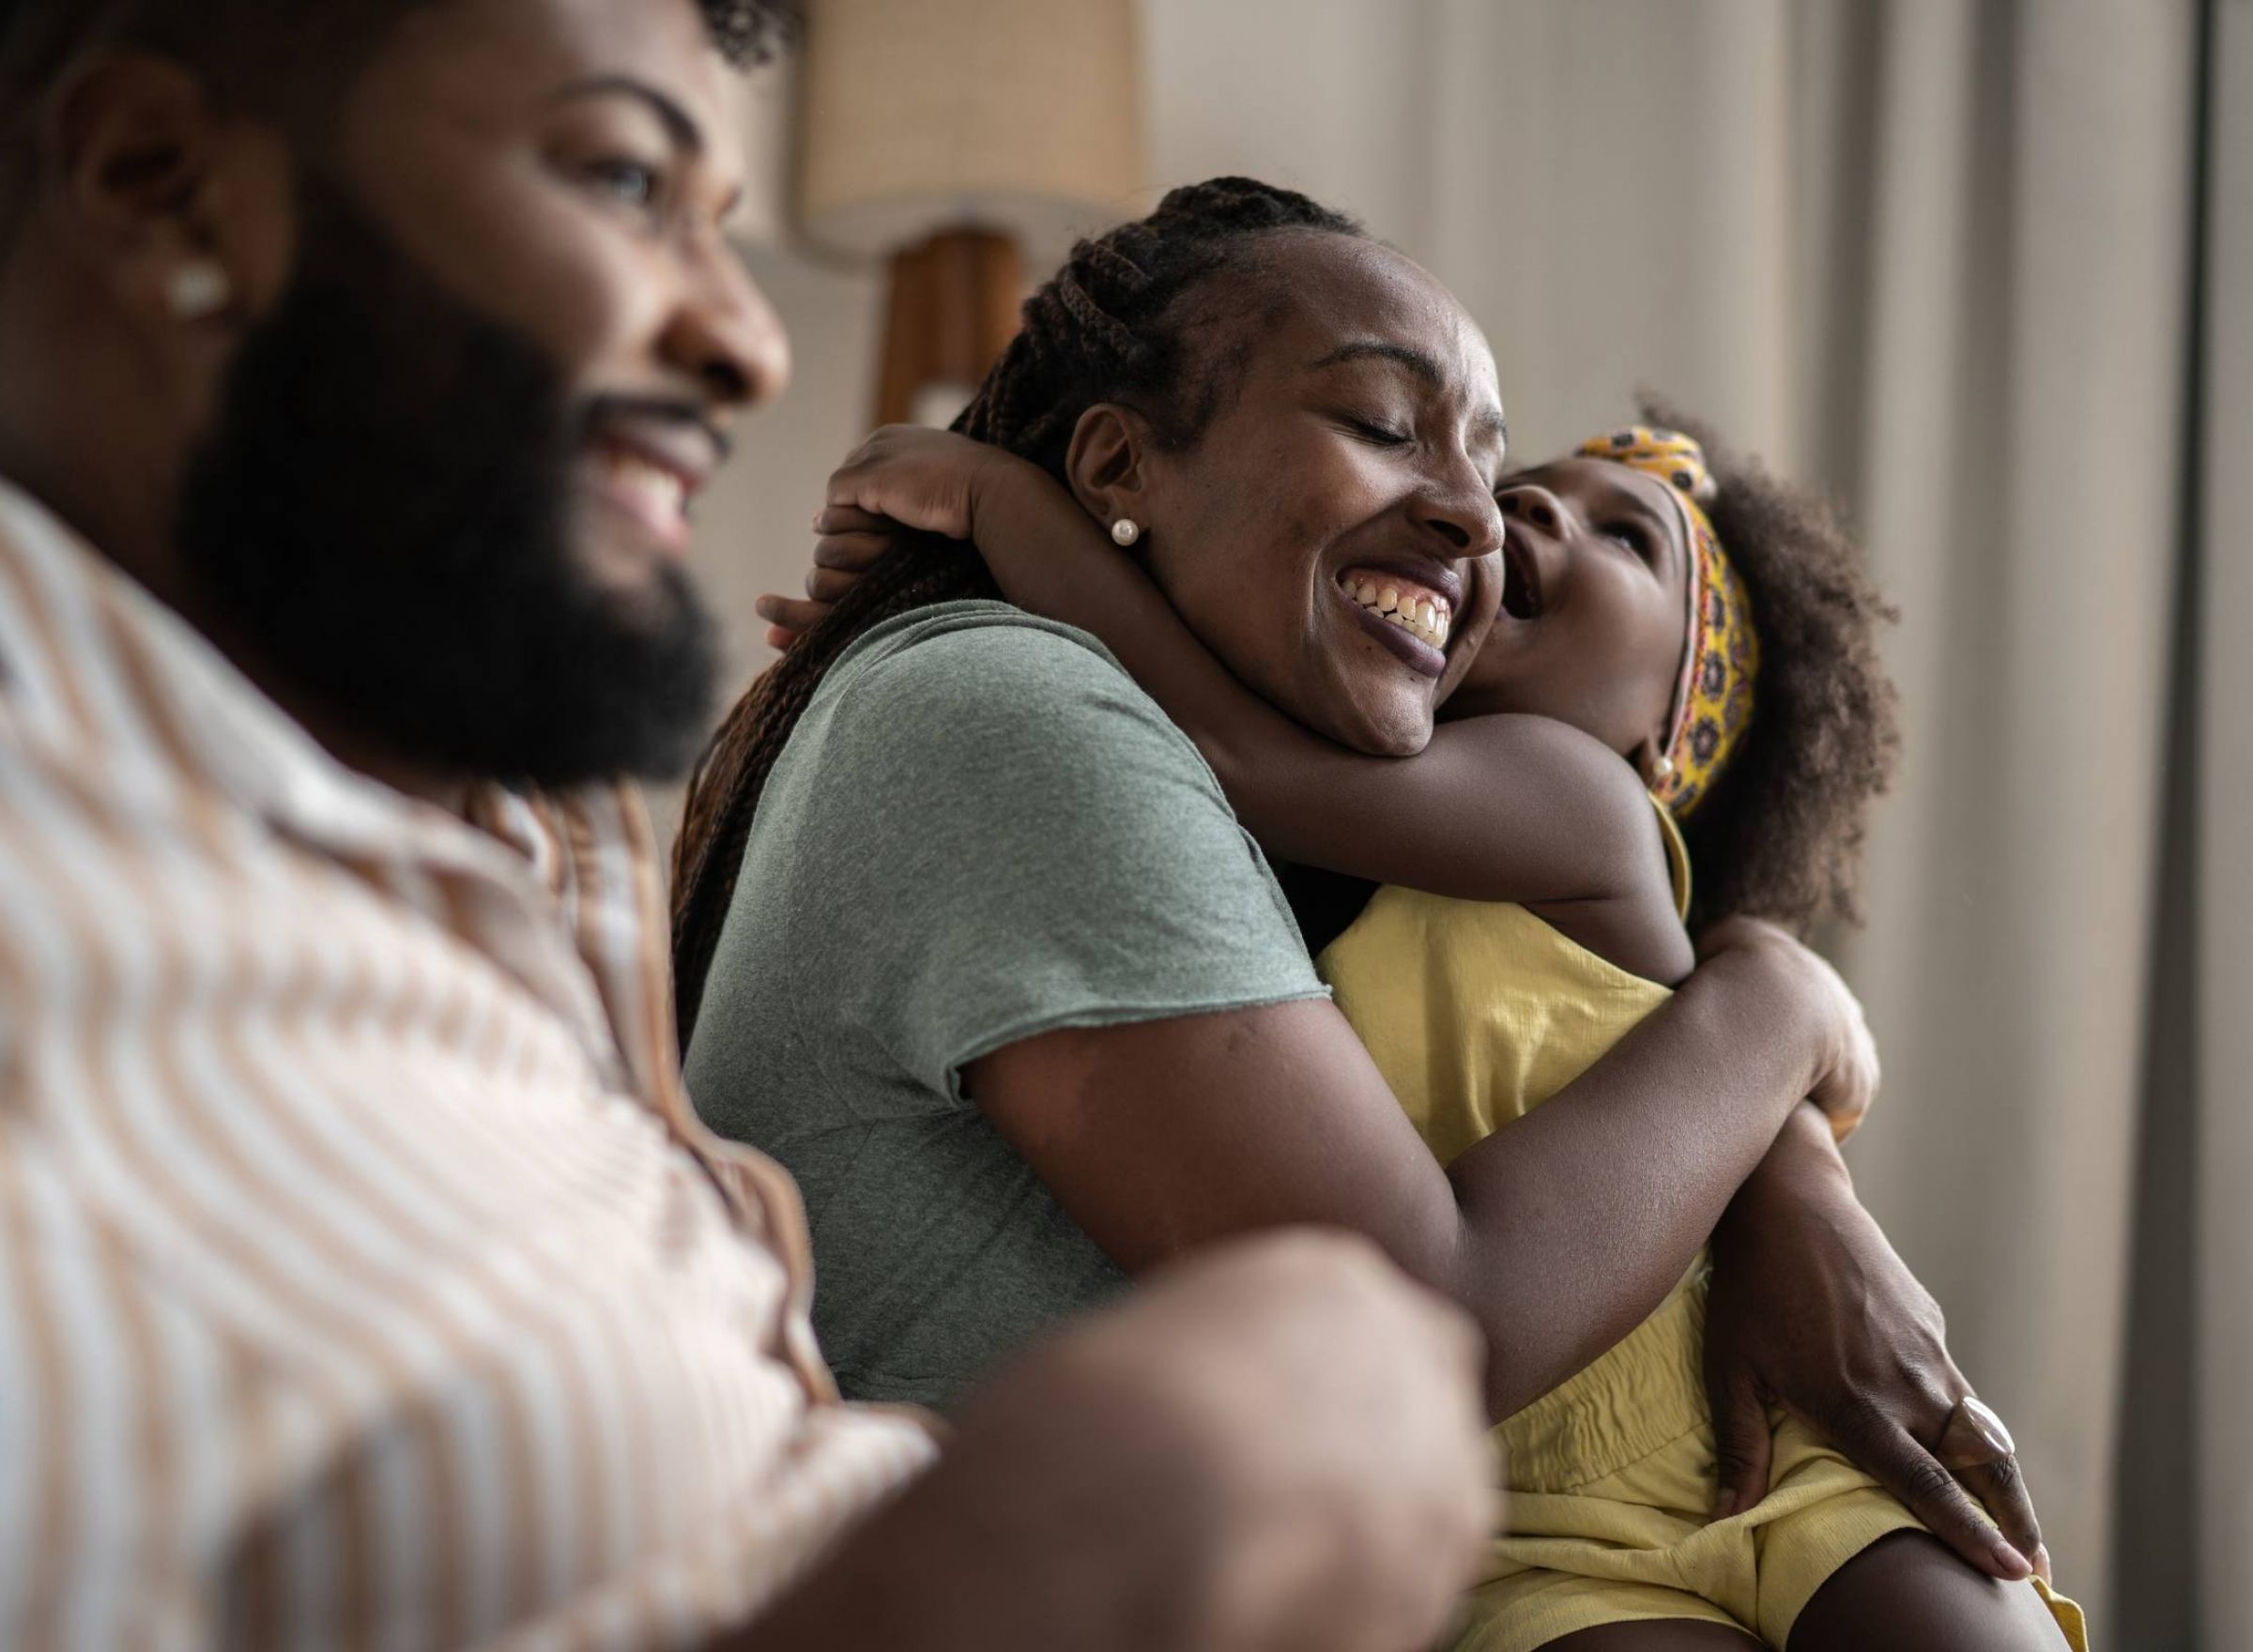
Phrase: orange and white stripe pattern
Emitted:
{"points": [[365, 1278]]}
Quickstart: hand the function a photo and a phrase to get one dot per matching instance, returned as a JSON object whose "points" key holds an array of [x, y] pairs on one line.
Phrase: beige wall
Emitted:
{"points": [[754, 535], [1394, 110]]}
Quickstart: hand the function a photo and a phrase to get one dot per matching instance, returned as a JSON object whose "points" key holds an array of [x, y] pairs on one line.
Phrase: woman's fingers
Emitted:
{"points": [[1888, 1452], [1743, 1446], [2002, 1487]]}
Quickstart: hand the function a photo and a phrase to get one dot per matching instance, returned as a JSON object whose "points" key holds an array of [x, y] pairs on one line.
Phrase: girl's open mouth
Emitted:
{"points": [[1520, 582]]}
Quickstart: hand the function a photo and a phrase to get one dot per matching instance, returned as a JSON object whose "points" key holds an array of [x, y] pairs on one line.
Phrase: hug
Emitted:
{"points": [[1234, 1057]]}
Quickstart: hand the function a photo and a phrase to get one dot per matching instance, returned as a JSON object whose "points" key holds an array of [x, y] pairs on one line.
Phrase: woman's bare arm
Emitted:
{"points": [[1560, 1232]]}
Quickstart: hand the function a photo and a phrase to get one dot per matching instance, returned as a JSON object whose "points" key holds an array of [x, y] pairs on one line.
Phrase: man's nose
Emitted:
{"points": [[727, 336]]}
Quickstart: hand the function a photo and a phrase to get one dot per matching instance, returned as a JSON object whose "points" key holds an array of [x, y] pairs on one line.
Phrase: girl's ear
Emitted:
{"points": [[1104, 467], [1652, 763]]}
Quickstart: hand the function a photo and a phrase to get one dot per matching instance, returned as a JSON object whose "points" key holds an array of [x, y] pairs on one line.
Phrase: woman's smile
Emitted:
{"points": [[1319, 533], [1410, 614]]}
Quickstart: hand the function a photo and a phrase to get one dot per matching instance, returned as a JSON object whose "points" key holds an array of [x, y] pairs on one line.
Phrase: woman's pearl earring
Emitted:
{"points": [[1663, 767], [1126, 531], [197, 291]]}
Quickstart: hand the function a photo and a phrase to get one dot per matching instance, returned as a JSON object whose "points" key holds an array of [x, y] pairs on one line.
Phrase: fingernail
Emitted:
{"points": [[2013, 1563], [2042, 1564]]}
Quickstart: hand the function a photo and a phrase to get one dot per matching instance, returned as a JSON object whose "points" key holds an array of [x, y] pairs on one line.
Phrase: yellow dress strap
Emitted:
{"points": [[1677, 858]]}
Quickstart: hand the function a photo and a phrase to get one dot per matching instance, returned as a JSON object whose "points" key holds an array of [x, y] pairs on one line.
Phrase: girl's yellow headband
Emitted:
{"points": [[1720, 654]]}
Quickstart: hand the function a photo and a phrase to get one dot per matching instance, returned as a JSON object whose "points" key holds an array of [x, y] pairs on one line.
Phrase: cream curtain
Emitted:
{"points": [[2221, 1134], [1942, 257]]}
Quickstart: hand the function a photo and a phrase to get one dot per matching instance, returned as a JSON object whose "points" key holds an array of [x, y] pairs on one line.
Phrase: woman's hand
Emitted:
{"points": [[1845, 1072], [1812, 1309]]}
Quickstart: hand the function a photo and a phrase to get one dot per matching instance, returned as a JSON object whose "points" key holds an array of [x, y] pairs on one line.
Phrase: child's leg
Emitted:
{"points": [[1911, 1590], [1669, 1635]]}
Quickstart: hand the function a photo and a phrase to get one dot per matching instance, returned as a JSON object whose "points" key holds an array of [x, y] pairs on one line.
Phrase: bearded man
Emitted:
{"points": [[364, 1276]]}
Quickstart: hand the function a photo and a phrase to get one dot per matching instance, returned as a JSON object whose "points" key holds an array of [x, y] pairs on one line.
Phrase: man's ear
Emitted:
{"points": [[1104, 465], [180, 212]]}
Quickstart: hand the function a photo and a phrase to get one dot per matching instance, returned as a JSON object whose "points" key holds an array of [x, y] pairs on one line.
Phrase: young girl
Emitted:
{"points": [[1639, 712]]}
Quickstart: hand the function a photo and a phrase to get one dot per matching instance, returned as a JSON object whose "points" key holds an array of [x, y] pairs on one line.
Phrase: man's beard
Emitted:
{"points": [[382, 516]]}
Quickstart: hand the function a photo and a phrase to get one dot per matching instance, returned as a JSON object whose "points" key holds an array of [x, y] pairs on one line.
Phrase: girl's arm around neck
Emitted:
{"points": [[1495, 808]]}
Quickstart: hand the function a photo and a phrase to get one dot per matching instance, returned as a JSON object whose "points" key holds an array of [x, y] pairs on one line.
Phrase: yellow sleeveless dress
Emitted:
{"points": [[1477, 1013]]}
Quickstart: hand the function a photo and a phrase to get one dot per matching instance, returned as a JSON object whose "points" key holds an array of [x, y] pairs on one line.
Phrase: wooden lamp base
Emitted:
{"points": [[953, 310]]}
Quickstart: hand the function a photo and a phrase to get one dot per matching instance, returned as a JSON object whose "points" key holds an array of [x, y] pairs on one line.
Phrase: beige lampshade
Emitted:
{"points": [[918, 116]]}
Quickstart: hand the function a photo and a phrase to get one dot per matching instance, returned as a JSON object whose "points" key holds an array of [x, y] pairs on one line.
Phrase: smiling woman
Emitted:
{"points": [[970, 938]]}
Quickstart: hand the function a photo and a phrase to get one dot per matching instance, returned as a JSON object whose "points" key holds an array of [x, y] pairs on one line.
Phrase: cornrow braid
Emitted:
{"points": [[1109, 326]]}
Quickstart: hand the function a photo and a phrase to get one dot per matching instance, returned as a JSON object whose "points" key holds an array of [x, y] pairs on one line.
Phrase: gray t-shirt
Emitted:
{"points": [[980, 830]]}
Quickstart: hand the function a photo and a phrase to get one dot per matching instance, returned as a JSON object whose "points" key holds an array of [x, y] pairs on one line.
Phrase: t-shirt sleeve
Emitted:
{"points": [[1017, 840]]}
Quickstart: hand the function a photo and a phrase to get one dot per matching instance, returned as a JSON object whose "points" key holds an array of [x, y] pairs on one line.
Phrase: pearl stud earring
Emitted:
{"points": [[198, 290], [1126, 531], [1663, 767]]}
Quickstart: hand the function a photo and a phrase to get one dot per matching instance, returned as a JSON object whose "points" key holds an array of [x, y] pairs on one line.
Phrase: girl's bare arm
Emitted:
{"points": [[1509, 808]]}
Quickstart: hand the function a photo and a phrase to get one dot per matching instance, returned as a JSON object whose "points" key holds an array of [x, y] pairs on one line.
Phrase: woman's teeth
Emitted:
{"points": [[1419, 613]]}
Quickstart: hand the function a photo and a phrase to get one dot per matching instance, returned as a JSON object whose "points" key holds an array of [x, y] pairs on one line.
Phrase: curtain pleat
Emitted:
{"points": [[2223, 1272]]}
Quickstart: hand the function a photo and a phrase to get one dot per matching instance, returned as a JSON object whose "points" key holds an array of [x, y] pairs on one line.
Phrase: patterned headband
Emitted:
{"points": [[1720, 654]]}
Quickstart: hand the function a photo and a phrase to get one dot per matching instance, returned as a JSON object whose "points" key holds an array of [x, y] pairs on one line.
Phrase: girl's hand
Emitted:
{"points": [[905, 477], [851, 542], [1846, 1072], [1812, 1309], [930, 481]]}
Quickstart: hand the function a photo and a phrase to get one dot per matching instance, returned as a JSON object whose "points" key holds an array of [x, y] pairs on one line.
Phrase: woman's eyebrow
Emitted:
{"points": [[681, 126], [1417, 362], [1407, 356]]}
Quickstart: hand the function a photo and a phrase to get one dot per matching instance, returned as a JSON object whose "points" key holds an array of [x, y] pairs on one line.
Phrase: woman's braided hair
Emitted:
{"points": [[1109, 326]]}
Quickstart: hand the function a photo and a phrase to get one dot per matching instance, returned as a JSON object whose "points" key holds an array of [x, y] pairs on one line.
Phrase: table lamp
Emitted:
{"points": [[956, 138]]}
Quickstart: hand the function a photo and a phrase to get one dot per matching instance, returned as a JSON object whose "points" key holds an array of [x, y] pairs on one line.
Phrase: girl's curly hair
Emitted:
{"points": [[1780, 835]]}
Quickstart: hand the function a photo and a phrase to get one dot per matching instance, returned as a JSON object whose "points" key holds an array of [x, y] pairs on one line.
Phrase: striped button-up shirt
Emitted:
{"points": [[365, 1278]]}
